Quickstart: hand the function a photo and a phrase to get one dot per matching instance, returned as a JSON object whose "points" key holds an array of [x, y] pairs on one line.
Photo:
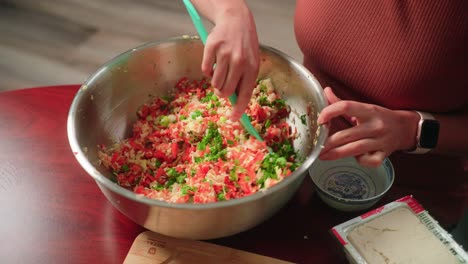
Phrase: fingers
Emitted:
{"points": [[240, 75], [332, 98], [229, 70], [233, 76], [246, 84], [349, 135], [245, 89], [214, 53], [220, 74], [343, 108], [374, 159], [366, 140], [351, 149], [209, 58], [233, 46]]}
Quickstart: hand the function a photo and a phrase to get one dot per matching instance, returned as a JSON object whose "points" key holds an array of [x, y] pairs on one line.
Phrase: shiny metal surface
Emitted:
{"points": [[105, 107]]}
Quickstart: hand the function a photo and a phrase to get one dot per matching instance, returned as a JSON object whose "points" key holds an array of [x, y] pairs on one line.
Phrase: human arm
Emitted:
{"points": [[453, 134], [233, 46], [377, 131]]}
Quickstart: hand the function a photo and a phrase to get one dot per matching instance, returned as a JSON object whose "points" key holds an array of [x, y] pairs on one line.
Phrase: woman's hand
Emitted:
{"points": [[233, 46], [376, 133]]}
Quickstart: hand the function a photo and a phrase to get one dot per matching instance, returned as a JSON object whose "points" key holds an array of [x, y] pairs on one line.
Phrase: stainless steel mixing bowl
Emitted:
{"points": [[104, 109]]}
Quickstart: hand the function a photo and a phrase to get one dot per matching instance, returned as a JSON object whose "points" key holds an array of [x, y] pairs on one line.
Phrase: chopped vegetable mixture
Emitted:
{"points": [[185, 149]]}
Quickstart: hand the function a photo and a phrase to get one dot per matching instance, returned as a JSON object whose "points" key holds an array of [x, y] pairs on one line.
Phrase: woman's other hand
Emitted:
{"points": [[376, 132]]}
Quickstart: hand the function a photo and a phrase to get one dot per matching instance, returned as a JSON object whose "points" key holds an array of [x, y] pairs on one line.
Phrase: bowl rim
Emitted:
{"points": [[86, 164], [386, 162]]}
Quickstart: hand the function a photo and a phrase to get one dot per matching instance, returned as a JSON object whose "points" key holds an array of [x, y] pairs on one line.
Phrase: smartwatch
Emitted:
{"points": [[428, 134]]}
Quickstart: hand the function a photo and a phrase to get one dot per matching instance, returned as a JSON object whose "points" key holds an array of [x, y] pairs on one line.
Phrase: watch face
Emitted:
{"points": [[429, 134]]}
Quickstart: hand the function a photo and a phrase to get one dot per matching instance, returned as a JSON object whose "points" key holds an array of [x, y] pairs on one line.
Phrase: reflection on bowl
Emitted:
{"points": [[346, 186]]}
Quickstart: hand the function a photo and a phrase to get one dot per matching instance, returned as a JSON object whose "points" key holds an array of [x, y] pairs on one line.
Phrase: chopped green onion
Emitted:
{"points": [[221, 197], [184, 189], [175, 176], [171, 172], [222, 119], [233, 175], [158, 187], [280, 102], [201, 146], [209, 97], [165, 121], [281, 162], [158, 163], [181, 178], [304, 119], [263, 100], [213, 139], [196, 114], [170, 182]]}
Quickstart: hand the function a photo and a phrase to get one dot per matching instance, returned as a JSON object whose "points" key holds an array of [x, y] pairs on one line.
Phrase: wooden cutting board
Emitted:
{"points": [[150, 247]]}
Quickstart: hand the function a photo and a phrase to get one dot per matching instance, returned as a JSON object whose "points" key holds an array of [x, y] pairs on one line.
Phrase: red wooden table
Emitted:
{"points": [[53, 212]]}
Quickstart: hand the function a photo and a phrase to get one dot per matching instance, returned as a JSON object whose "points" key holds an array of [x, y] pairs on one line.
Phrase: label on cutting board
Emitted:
{"points": [[150, 247]]}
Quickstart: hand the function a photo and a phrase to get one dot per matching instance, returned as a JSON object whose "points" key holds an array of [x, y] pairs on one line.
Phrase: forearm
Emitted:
{"points": [[453, 134], [212, 9]]}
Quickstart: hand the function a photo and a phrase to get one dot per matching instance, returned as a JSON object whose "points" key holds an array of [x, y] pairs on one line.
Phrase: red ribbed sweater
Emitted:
{"points": [[405, 55]]}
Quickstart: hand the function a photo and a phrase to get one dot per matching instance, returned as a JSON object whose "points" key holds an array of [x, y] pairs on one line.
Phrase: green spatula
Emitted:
{"points": [[245, 121]]}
